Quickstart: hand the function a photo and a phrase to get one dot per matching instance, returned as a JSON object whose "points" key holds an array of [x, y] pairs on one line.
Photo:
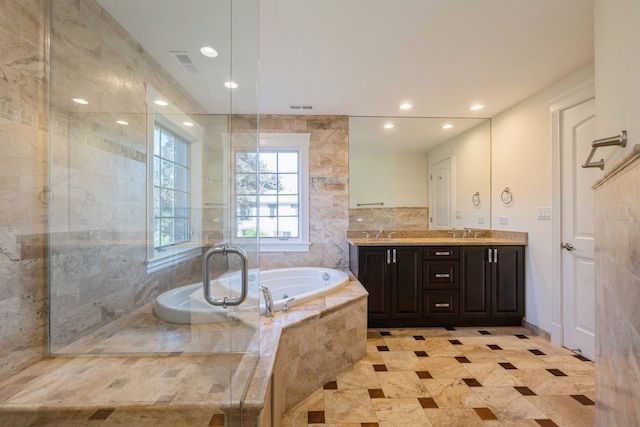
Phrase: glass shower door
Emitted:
{"points": [[143, 127]]}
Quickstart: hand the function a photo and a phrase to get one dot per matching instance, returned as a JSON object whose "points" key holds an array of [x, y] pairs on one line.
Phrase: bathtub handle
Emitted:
{"points": [[206, 279]]}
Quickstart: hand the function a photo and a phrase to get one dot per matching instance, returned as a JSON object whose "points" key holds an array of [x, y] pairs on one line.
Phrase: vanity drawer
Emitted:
{"points": [[441, 253], [441, 303], [440, 274]]}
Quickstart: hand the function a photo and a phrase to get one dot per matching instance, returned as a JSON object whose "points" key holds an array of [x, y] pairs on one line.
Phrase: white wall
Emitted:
{"points": [[396, 179], [412, 178], [521, 155]]}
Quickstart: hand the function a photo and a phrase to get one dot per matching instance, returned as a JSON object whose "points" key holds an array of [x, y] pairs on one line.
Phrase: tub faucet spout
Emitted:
{"points": [[268, 301], [286, 305]]}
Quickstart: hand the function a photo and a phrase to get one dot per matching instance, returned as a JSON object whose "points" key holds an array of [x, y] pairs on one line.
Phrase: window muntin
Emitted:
{"points": [[171, 189]]}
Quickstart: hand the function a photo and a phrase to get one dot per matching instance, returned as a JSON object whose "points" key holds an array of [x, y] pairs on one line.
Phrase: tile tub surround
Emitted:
{"points": [[294, 352], [502, 376], [617, 272]]}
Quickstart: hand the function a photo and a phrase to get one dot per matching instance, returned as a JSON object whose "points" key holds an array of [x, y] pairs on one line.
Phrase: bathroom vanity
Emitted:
{"points": [[440, 281]]}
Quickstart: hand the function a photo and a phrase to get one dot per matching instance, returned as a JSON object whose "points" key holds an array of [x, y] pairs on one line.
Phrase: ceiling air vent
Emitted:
{"points": [[185, 61], [305, 107]]}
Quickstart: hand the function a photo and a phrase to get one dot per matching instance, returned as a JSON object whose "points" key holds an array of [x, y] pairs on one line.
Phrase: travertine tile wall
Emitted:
{"points": [[328, 189], [617, 248], [99, 174], [23, 156]]}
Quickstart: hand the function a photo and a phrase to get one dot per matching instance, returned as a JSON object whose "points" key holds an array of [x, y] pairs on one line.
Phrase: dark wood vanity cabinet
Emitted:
{"points": [[393, 278], [441, 282], [492, 284], [441, 286]]}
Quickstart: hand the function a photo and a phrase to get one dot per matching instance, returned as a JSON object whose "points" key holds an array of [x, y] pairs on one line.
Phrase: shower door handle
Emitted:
{"points": [[206, 279]]}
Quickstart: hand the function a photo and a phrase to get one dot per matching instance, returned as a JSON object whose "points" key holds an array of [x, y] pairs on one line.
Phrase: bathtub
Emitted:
{"points": [[290, 286]]}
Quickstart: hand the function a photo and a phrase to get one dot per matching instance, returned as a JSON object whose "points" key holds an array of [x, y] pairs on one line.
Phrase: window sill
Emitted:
{"points": [[285, 246], [173, 256]]}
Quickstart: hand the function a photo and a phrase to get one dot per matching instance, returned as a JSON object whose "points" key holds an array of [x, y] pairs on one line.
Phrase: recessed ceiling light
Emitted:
{"points": [[447, 126], [208, 51], [122, 122], [80, 101], [161, 102], [388, 125], [187, 124], [405, 106], [476, 107], [231, 85]]}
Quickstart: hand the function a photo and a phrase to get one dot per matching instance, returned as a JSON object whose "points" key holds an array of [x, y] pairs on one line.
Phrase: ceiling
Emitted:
{"points": [[366, 57]]}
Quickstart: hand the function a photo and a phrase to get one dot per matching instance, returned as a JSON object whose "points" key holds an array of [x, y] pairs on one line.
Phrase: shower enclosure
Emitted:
{"points": [[144, 127]]}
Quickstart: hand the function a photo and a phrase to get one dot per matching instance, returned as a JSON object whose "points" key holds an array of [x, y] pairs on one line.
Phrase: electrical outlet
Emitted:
{"points": [[503, 220], [359, 220]]}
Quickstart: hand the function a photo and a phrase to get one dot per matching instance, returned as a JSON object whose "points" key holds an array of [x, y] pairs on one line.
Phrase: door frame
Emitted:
{"points": [[578, 94]]}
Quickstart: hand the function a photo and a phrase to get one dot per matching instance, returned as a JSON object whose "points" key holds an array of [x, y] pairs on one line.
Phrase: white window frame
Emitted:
{"points": [[172, 118], [289, 142]]}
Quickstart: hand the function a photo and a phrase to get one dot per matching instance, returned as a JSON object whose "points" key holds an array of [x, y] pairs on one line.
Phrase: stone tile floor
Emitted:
{"points": [[502, 376]]}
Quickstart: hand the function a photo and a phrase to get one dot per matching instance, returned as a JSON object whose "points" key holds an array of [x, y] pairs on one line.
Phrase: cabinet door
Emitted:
{"points": [[475, 282], [508, 281], [406, 283], [374, 276]]}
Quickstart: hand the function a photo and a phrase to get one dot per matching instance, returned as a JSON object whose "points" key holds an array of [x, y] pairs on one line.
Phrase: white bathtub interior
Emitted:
{"points": [[288, 286]]}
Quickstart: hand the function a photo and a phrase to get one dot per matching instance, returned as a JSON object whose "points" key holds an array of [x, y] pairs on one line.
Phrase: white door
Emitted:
{"points": [[441, 195], [578, 284]]}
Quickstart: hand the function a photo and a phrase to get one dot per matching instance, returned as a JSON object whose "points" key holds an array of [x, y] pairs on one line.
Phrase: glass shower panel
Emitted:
{"points": [[143, 128]]}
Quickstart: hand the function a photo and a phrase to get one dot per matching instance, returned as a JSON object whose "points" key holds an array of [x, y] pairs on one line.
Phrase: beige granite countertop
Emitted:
{"points": [[434, 241], [437, 238]]}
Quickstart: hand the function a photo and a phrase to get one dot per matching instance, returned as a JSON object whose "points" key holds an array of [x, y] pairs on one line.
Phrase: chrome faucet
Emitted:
{"points": [[465, 232], [378, 233], [268, 301], [389, 235], [478, 233], [366, 234]]}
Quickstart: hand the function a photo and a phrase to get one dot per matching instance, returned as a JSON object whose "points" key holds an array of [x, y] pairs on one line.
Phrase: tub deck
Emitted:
{"points": [[177, 388]]}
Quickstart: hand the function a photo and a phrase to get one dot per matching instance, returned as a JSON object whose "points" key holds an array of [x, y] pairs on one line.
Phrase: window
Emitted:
{"points": [[271, 193], [174, 219], [171, 193]]}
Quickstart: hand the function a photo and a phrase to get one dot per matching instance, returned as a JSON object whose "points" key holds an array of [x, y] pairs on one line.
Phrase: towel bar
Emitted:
{"points": [[620, 140]]}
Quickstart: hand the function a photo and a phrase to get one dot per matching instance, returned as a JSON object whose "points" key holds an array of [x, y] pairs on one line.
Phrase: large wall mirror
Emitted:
{"points": [[419, 173]]}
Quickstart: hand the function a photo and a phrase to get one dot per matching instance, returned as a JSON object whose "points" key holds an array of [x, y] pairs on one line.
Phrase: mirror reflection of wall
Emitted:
{"points": [[469, 198], [389, 177]]}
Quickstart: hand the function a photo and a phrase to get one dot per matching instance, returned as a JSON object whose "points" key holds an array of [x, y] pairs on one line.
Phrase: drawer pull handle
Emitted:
{"points": [[446, 253], [442, 304], [443, 275]]}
